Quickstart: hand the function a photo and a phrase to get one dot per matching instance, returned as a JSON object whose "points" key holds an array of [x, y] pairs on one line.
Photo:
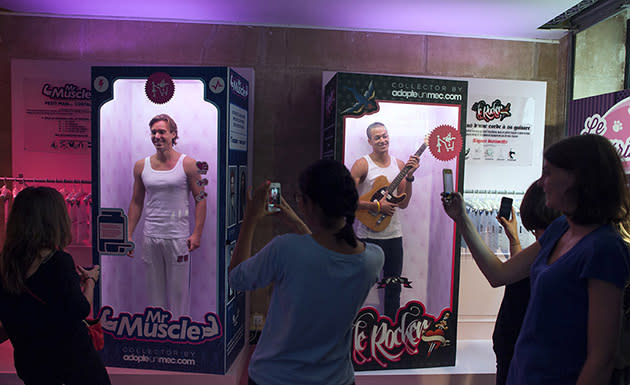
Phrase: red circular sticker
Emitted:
{"points": [[445, 142], [159, 87]]}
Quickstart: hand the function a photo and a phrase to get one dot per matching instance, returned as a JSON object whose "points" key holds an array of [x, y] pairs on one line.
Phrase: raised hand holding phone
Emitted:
{"points": [[256, 206], [506, 208], [508, 221]]}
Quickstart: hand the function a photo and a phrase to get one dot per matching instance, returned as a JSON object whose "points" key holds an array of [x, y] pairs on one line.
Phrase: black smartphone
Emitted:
{"points": [[273, 197], [447, 179], [505, 210]]}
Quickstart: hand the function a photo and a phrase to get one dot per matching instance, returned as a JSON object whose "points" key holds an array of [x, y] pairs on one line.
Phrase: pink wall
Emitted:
{"points": [[288, 64]]}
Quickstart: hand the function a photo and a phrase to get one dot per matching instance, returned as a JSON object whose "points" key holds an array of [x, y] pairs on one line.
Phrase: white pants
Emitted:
{"points": [[167, 264]]}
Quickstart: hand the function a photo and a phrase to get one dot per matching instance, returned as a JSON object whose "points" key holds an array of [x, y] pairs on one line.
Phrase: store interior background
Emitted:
{"points": [[288, 64]]}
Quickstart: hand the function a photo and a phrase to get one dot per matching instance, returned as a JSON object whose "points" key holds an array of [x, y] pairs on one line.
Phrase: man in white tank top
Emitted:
{"points": [[364, 171], [162, 184]]}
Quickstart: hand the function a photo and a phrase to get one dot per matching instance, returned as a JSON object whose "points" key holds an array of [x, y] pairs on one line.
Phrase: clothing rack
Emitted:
{"points": [[44, 180], [486, 200], [497, 192], [79, 204]]}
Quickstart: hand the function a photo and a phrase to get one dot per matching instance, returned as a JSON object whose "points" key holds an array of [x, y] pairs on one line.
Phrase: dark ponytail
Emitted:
{"points": [[328, 184], [347, 232]]}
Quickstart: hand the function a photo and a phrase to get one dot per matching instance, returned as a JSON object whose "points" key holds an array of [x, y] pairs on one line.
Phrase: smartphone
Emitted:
{"points": [[447, 178], [505, 210], [273, 197]]}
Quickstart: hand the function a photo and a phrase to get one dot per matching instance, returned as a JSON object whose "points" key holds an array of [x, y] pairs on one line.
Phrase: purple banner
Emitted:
{"points": [[607, 115]]}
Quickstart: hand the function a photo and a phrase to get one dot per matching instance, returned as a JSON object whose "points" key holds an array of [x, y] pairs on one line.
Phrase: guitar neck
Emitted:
{"points": [[394, 185]]}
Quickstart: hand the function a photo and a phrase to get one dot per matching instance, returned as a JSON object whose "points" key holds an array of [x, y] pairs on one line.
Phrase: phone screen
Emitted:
{"points": [[273, 199], [505, 210], [447, 176]]}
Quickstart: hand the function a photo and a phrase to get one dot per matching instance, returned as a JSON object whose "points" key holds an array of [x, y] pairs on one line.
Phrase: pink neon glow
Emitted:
{"points": [[509, 18]]}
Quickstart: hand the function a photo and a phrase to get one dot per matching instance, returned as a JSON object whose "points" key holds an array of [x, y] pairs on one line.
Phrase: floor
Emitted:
{"points": [[475, 364]]}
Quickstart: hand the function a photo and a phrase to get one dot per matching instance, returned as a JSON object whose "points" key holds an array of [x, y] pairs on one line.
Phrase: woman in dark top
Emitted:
{"points": [[535, 217], [44, 298]]}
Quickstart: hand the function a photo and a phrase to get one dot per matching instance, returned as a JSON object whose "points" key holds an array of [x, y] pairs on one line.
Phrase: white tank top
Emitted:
{"points": [[394, 230], [166, 201]]}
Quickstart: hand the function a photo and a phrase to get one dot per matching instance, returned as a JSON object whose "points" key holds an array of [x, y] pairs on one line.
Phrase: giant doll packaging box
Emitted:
{"points": [[409, 319], [162, 306]]}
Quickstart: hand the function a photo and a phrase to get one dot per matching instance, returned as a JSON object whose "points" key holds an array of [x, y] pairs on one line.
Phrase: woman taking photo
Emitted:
{"points": [[44, 298], [577, 268], [321, 278]]}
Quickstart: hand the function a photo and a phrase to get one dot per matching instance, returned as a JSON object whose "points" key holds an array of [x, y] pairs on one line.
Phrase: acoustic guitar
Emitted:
{"points": [[376, 221]]}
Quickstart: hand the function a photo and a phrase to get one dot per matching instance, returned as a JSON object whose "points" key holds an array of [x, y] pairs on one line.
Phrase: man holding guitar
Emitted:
{"points": [[384, 184], [162, 184]]}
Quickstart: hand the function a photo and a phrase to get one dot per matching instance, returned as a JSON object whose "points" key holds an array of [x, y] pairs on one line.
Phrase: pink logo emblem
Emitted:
{"points": [[445, 142], [159, 87]]}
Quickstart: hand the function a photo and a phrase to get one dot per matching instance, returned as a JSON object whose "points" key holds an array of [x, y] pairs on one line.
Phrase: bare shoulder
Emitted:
{"points": [[190, 165], [138, 167], [189, 161], [400, 163], [359, 168]]}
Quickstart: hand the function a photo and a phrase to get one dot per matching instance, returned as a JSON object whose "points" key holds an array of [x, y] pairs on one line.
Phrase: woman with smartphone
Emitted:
{"points": [[535, 217], [44, 298], [578, 268], [321, 278]]}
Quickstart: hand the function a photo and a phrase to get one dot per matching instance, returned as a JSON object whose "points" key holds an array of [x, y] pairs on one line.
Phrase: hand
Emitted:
{"points": [[130, 252], [193, 242], [453, 205], [387, 208], [286, 213], [414, 163], [92, 273], [289, 216], [510, 226], [256, 207]]}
